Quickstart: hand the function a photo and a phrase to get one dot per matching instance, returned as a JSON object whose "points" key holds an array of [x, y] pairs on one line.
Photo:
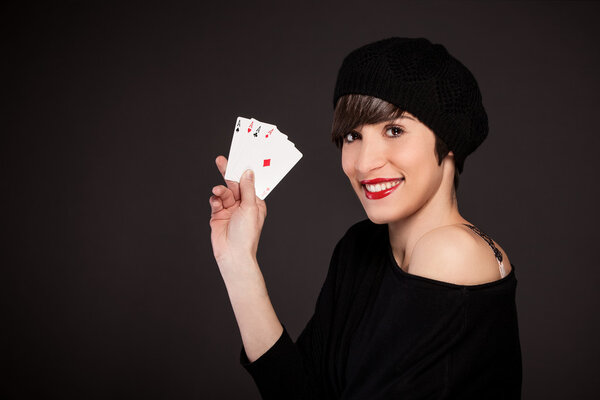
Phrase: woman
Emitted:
{"points": [[418, 303]]}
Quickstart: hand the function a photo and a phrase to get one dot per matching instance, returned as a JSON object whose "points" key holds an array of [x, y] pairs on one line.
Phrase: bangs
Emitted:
{"points": [[354, 110]]}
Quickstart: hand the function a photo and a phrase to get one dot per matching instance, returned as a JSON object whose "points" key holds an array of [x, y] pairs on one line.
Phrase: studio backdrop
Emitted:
{"points": [[114, 115]]}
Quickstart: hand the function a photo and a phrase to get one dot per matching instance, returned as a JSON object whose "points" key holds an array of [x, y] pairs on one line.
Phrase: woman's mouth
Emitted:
{"points": [[381, 190]]}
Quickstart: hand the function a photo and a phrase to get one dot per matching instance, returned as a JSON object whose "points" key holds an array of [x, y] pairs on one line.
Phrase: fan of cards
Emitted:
{"points": [[262, 148]]}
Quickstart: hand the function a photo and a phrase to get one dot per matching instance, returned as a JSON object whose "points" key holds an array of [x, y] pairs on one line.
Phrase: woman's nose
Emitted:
{"points": [[371, 156]]}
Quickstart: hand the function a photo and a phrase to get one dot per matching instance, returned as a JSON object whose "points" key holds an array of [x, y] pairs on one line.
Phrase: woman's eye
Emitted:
{"points": [[395, 130], [349, 137]]}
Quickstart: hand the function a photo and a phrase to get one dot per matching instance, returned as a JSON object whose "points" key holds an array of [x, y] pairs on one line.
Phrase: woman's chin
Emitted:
{"points": [[380, 216]]}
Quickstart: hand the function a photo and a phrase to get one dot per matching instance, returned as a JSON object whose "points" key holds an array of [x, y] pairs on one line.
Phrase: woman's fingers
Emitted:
{"points": [[221, 162], [262, 207], [226, 195], [247, 190], [215, 204]]}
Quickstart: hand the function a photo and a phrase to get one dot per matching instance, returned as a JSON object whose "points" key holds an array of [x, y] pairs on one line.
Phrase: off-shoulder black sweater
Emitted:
{"points": [[378, 332]]}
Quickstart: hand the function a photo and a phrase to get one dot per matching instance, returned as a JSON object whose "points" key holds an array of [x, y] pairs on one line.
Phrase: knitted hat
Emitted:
{"points": [[425, 80]]}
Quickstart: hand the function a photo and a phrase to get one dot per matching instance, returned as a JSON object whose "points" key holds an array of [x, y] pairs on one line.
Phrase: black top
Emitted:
{"points": [[381, 333]]}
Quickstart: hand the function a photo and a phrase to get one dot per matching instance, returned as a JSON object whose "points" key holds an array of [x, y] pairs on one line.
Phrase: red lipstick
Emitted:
{"points": [[383, 193]]}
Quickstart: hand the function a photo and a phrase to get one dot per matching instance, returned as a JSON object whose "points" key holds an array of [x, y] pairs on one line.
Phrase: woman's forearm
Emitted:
{"points": [[259, 326]]}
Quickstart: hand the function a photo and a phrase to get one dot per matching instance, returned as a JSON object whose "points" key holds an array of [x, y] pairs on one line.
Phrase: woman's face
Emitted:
{"points": [[401, 150]]}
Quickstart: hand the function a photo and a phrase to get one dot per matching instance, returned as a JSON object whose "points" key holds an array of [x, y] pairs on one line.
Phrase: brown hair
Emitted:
{"points": [[354, 110]]}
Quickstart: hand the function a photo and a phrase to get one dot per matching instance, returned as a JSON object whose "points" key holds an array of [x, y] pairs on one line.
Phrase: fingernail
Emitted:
{"points": [[249, 174]]}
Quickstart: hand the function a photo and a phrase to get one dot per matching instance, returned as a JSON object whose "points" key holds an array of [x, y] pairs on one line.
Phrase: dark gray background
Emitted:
{"points": [[116, 113]]}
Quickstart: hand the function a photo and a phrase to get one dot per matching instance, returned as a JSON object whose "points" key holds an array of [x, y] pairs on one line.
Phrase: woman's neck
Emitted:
{"points": [[405, 233]]}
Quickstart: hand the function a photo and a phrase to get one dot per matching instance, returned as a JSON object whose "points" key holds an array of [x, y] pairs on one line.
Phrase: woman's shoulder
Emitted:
{"points": [[457, 254]]}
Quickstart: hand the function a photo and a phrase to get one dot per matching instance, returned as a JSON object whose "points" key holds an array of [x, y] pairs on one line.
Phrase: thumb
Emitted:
{"points": [[247, 191]]}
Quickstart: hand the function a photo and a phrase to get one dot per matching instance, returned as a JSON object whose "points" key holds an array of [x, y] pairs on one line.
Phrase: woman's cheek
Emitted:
{"points": [[347, 164]]}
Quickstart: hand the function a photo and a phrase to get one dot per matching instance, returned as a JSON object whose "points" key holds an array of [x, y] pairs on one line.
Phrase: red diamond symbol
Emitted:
{"points": [[267, 162]]}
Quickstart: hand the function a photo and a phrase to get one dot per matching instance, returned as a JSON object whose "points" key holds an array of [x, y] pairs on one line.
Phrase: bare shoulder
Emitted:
{"points": [[456, 254]]}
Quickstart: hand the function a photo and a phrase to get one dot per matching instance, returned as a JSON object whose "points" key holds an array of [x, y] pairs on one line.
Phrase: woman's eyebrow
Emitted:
{"points": [[401, 117], [358, 128]]}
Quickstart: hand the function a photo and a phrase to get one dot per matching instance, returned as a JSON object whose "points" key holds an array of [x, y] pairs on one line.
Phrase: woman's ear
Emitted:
{"points": [[449, 158], [451, 154]]}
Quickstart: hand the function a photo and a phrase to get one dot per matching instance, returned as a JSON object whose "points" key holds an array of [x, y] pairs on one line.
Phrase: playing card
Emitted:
{"points": [[250, 141], [241, 130], [261, 147], [275, 160], [246, 146]]}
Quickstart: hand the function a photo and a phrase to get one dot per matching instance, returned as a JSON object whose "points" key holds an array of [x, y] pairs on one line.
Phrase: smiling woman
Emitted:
{"points": [[355, 110], [418, 302]]}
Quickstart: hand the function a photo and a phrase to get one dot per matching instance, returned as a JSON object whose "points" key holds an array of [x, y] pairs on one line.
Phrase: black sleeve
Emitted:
{"points": [[291, 370]]}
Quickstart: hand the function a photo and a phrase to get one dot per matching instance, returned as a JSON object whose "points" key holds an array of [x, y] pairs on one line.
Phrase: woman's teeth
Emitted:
{"points": [[381, 186]]}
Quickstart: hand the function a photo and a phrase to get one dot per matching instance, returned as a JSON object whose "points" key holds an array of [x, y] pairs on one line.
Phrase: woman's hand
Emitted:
{"points": [[237, 218]]}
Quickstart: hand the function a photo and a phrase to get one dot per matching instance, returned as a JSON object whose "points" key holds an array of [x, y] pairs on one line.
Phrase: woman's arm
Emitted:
{"points": [[237, 218], [259, 326], [280, 368]]}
